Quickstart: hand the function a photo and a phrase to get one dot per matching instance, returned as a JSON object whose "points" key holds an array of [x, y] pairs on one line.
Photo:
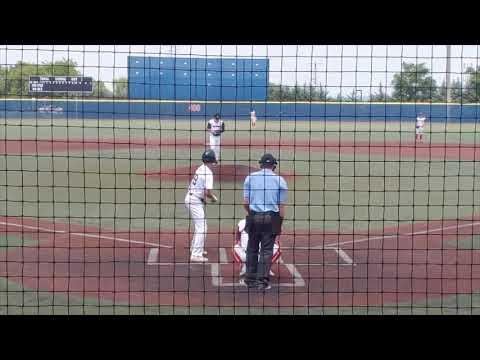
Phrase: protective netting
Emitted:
{"points": [[378, 146]]}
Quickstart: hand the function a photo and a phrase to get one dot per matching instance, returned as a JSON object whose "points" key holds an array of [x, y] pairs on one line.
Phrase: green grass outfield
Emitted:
{"points": [[182, 129], [338, 192]]}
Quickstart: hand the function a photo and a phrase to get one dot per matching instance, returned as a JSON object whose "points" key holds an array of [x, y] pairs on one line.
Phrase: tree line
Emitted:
{"points": [[14, 79], [413, 83]]}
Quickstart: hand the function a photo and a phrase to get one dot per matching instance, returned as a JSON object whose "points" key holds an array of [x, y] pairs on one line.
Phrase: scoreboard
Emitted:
{"points": [[50, 84]]}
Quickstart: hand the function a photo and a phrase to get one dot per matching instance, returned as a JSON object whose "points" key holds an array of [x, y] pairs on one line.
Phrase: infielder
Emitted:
{"points": [[419, 124], [215, 127], [240, 248], [200, 188]]}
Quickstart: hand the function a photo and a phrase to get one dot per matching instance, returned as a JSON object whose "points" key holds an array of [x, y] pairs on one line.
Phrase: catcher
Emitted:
{"points": [[240, 248]]}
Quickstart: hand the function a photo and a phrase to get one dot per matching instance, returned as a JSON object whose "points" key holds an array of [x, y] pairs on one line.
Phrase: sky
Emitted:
{"points": [[338, 67]]}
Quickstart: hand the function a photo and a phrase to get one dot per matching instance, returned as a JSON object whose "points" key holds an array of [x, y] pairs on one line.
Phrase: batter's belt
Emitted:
{"points": [[198, 197]]}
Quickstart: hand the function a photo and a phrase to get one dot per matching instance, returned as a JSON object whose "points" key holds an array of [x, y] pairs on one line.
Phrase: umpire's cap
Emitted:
{"points": [[268, 159], [209, 156], [217, 116]]}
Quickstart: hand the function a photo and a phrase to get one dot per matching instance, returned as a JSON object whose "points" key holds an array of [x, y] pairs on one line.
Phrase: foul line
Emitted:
{"points": [[32, 227], [330, 246], [121, 240], [84, 234]]}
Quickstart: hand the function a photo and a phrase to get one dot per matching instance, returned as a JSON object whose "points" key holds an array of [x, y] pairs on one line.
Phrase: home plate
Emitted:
{"points": [[218, 279]]}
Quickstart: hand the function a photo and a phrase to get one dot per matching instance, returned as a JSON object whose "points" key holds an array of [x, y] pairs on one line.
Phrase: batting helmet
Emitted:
{"points": [[268, 159], [217, 116], [209, 156]]}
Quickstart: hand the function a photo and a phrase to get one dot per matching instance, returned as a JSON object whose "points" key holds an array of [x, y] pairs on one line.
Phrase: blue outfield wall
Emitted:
{"points": [[198, 79], [123, 109]]}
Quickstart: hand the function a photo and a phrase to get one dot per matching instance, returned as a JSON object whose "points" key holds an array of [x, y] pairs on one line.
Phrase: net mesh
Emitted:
{"points": [[100, 148]]}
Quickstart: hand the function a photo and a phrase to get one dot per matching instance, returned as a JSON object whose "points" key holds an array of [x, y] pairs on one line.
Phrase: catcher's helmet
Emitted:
{"points": [[268, 159], [209, 156], [217, 116]]}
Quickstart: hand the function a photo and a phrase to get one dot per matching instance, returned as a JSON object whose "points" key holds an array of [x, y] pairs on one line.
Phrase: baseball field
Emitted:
{"points": [[92, 219]]}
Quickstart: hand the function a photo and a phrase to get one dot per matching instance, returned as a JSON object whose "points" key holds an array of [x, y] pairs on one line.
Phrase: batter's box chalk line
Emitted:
{"points": [[348, 261], [217, 278]]}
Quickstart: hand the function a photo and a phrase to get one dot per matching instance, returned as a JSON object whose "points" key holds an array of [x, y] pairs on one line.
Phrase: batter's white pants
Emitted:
{"points": [[215, 145], [196, 210]]}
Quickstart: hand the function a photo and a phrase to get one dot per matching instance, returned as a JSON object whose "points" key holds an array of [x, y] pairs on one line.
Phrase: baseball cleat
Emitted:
{"points": [[243, 270], [263, 287], [198, 259], [250, 285]]}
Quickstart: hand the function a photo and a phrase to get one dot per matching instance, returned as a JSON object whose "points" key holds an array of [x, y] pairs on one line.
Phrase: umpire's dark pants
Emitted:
{"points": [[262, 231]]}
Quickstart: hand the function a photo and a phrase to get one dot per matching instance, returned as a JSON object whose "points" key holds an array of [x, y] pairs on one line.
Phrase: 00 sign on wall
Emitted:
{"points": [[194, 107]]}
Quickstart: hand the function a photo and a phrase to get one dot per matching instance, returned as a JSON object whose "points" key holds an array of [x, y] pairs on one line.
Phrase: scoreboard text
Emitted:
{"points": [[48, 84]]}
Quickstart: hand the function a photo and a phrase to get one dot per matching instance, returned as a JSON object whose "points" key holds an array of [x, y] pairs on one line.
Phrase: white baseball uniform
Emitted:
{"points": [[253, 118], [194, 201], [240, 247], [419, 124], [218, 127]]}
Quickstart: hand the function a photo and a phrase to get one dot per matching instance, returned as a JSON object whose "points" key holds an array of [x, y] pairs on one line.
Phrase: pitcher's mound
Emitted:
{"points": [[225, 172]]}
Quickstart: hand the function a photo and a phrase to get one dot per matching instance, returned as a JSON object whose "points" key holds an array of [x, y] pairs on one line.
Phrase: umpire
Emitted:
{"points": [[265, 194]]}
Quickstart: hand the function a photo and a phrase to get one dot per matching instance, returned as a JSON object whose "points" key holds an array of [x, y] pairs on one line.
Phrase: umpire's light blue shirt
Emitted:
{"points": [[265, 190]]}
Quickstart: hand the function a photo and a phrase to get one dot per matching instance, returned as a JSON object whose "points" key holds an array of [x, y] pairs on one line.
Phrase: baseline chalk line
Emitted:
{"points": [[84, 234], [428, 231]]}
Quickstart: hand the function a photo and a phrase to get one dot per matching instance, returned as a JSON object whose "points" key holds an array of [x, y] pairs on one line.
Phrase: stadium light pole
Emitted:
{"points": [[447, 81]]}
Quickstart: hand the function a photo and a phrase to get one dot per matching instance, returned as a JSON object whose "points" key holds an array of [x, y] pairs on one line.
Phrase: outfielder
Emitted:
{"points": [[215, 127], [240, 248], [200, 188], [253, 118], [419, 124]]}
